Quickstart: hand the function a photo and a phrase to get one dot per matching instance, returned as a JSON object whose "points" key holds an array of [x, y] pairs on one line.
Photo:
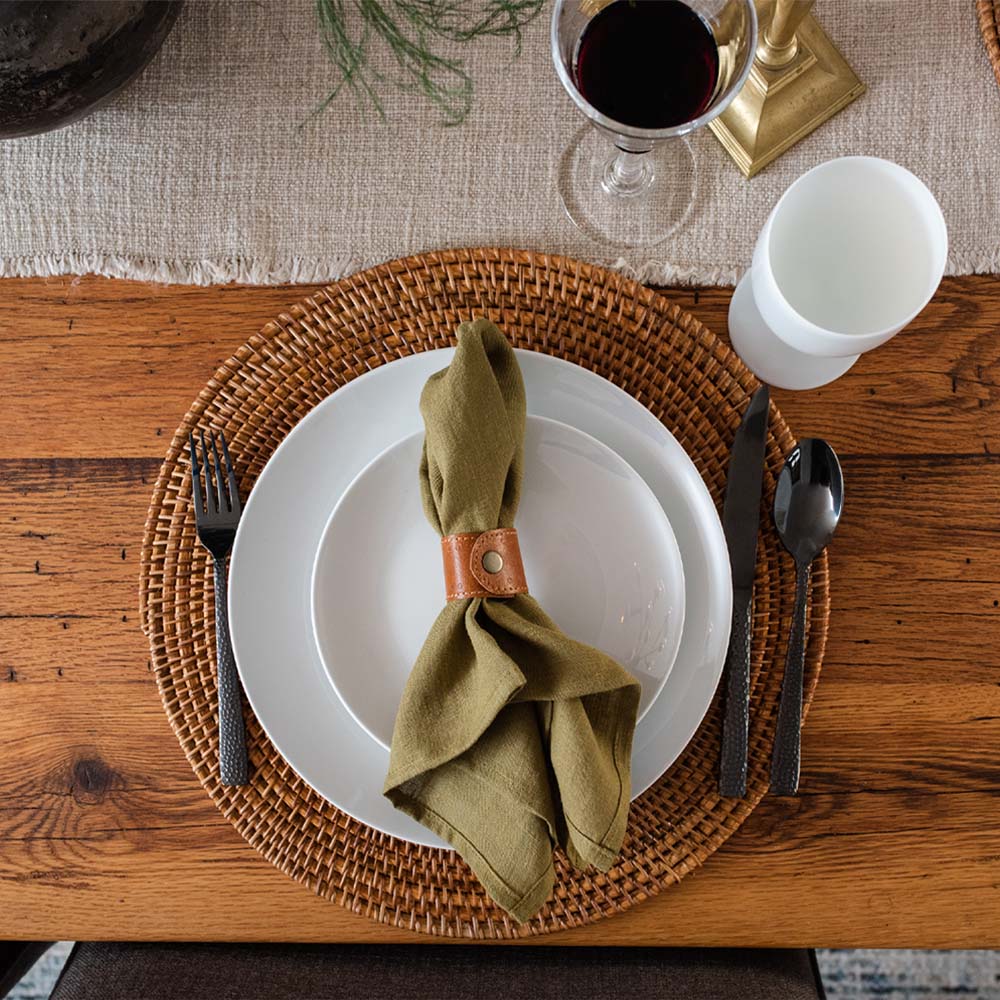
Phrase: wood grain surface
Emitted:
{"points": [[105, 833]]}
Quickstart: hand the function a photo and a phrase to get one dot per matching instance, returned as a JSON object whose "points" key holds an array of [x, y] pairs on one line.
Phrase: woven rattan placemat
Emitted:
{"points": [[989, 25], [663, 357]]}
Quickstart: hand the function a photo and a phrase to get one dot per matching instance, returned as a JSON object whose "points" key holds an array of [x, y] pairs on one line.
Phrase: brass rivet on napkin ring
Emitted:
{"points": [[492, 561], [483, 564]]}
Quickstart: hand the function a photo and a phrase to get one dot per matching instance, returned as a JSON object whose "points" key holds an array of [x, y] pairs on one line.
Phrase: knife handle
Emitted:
{"points": [[788, 733], [232, 737], [736, 722]]}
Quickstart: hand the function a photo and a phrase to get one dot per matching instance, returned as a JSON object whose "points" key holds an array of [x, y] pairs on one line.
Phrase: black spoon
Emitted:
{"points": [[807, 506]]}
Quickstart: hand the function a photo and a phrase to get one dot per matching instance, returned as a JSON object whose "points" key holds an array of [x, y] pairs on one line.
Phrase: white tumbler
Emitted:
{"points": [[850, 254]]}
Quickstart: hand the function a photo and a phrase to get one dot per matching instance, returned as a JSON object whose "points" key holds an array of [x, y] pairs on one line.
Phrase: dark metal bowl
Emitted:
{"points": [[61, 60]]}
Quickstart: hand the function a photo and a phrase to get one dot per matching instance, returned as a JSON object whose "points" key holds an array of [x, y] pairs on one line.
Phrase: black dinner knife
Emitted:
{"points": [[741, 520]]}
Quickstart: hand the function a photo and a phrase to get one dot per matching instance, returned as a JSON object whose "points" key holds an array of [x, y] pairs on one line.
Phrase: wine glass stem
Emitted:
{"points": [[627, 175]]}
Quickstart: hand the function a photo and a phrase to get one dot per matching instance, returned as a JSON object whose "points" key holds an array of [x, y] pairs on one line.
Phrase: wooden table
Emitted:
{"points": [[106, 833]]}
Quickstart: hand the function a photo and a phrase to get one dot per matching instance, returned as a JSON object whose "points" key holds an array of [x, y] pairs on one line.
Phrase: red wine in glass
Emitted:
{"points": [[647, 63]]}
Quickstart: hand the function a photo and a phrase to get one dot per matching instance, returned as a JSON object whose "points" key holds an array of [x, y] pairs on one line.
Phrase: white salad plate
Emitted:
{"points": [[285, 517], [598, 552]]}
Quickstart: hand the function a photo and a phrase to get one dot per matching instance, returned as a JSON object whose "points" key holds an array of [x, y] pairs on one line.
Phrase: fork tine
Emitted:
{"points": [[209, 498], [220, 483], [234, 490], [195, 477]]}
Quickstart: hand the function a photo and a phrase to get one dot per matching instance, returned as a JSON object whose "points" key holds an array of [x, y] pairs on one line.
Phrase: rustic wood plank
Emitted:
{"points": [[895, 840], [94, 368], [97, 368]]}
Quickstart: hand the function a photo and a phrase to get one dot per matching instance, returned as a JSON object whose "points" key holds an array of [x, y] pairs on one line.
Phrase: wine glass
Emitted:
{"points": [[646, 73]]}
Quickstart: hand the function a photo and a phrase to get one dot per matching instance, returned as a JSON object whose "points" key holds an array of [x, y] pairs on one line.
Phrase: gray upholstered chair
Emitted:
{"points": [[436, 972]]}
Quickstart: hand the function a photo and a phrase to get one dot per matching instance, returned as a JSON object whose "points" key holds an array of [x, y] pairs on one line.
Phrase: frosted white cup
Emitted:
{"points": [[850, 254]]}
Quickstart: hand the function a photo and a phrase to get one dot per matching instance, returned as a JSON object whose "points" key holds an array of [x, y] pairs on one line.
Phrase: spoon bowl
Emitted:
{"points": [[809, 499]]}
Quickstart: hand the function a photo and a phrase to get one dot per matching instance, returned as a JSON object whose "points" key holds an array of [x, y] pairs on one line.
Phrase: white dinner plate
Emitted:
{"points": [[284, 519], [599, 556]]}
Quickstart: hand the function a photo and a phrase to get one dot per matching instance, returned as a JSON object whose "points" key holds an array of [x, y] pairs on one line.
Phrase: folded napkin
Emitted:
{"points": [[511, 737]]}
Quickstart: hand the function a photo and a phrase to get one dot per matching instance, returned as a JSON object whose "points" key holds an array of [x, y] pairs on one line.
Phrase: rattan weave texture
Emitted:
{"points": [[636, 338], [989, 25]]}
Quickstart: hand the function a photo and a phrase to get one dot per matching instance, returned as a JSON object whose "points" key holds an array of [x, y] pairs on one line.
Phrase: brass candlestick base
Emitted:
{"points": [[779, 105]]}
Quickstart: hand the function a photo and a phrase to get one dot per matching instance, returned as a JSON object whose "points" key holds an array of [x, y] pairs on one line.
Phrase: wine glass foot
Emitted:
{"points": [[638, 203]]}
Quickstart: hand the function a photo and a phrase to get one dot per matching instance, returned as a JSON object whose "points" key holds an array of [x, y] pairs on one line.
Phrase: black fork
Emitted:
{"points": [[217, 519]]}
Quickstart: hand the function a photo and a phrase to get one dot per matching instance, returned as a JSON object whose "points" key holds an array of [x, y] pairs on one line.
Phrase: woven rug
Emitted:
{"points": [[213, 167]]}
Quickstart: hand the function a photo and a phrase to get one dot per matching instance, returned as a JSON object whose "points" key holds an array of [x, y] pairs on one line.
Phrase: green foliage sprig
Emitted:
{"points": [[413, 30]]}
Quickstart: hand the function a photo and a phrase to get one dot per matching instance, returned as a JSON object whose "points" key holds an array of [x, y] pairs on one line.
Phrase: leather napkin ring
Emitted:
{"points": [[483, 564]]}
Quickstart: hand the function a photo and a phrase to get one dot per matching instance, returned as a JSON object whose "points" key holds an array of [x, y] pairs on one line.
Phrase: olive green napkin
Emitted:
{"points": [[511, 737]]}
